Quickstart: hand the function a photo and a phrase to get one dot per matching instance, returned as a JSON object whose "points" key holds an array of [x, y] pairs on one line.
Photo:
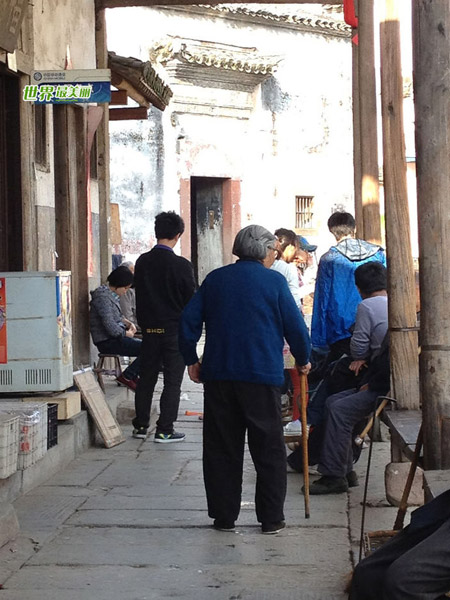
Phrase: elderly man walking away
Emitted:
{"points": [[247, 310], [164, 284]]}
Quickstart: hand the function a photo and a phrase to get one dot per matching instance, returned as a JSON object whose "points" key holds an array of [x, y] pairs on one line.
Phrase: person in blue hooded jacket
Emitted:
{"points": [[336, 297]]}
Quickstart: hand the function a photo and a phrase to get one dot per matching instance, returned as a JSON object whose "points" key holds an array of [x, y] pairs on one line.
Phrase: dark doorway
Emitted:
{"points": [[11, 236], [206, 225]]}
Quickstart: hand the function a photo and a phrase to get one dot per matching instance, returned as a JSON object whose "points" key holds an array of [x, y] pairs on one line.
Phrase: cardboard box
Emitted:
{"points": [[69, 403]]}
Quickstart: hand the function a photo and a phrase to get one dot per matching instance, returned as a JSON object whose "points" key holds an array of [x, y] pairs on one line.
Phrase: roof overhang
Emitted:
{"points": [[100, 4], [139, 80]]}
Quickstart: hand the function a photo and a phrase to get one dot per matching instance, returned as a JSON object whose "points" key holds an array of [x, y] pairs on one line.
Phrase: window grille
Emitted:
{"points": [[303, 212]]}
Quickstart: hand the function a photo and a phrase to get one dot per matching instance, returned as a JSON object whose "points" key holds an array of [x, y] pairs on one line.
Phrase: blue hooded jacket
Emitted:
{"points": [[336, 296]]}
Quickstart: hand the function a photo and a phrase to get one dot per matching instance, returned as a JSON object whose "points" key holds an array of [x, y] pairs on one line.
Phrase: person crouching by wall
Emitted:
{"points": [[247, 310], [111, 332]]}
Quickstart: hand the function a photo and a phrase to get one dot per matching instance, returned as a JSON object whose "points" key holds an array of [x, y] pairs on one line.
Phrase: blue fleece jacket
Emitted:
{"points": [[247, 310], [336, 296]]}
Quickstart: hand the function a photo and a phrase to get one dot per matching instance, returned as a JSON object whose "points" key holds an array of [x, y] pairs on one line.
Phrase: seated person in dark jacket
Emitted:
{"points": [[414, 564], [111, 332]]}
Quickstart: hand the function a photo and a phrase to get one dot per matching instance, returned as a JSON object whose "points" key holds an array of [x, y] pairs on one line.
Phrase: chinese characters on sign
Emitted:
{"points": [[69, 86], [46, 92]]}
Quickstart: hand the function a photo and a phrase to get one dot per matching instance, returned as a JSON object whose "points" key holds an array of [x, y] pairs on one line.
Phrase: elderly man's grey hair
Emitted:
{"points": [[129, 265], [253, 242]]}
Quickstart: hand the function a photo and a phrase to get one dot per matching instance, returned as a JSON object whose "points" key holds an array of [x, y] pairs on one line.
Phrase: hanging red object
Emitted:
{"points": [[349, 13]]}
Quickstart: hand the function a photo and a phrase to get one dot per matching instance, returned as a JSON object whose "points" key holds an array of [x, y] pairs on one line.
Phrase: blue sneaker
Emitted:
{"points": [[168, 438]]}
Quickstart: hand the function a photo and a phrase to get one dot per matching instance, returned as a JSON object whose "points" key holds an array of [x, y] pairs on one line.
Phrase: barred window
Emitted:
{"points": [[303, 212]]}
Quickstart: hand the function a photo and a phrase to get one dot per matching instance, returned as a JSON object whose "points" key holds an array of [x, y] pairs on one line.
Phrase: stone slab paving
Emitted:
{"points": [[131, 523]]}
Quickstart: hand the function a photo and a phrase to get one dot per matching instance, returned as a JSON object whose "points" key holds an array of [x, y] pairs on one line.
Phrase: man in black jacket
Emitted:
{"points": [[164, 284]]}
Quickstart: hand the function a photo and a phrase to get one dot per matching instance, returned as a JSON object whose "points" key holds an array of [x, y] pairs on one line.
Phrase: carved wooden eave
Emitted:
{"points": [[210, 64], [140, 81]]}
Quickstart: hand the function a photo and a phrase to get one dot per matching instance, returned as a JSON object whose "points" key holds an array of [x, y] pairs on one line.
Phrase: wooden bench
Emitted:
{"points": [[404, 426]]}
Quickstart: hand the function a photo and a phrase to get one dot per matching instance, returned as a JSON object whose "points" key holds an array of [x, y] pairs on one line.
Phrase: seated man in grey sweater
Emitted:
{"points": [[346, 408], [368, 333]]}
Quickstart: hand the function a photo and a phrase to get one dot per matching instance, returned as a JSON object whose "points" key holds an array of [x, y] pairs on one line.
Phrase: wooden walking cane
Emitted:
{"points": [[303, 405]]}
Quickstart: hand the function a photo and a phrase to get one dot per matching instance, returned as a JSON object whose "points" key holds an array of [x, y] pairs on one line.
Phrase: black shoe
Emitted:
{"points": [[328, 485], [352, 479], [272, 528], [167, 438], [140, 433], [223, 525]]}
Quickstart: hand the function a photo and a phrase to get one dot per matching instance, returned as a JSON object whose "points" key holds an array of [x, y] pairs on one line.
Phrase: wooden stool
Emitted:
{"points": [[101, 370]]}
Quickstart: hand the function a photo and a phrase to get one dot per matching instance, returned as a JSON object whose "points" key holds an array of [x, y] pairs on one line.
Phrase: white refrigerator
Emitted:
{"points": [[35, 332]]}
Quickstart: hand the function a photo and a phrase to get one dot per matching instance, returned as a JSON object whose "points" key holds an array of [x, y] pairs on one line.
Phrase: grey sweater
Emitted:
{"points": [[370, 327], [105, 316]]}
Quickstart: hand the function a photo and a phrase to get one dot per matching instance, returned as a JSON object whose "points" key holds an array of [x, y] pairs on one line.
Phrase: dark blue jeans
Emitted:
{"points": [[159, 349], [343, 411], [124, 346]]}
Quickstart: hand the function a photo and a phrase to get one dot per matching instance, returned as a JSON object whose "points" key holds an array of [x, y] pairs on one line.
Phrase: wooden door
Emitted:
{"points": [[207, 225]]}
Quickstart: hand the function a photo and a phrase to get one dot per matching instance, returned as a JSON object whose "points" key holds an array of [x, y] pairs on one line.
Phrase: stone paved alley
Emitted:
{"points": [[130, 523]]}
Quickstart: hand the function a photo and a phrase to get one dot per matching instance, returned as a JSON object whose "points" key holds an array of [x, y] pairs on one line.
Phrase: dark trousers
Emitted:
{"points": [[343, 411], [231, 409], [124, 346], [159, 349], [414, 565]]}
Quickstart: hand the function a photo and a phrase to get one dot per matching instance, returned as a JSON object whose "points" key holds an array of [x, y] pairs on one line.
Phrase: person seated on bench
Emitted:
{"points": [[368, 334], [110, 331], [414, 564], [343, 411]]}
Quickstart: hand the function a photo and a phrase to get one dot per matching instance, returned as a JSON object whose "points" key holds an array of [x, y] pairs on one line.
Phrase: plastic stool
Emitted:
{"points": [[100, 369]]}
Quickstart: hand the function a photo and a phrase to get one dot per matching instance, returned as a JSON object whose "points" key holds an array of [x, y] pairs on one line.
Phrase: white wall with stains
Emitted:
{"points": [[295, 139]]}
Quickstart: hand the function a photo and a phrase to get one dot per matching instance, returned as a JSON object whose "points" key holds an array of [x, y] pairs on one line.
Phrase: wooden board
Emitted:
{"points": [[69, 403], [96, 404]]}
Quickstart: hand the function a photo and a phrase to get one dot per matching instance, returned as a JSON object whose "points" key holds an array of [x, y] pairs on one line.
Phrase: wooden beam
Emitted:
{"points": [[431, 49], [122, 114], [103, 155], [132, 92], [402, 298], [100, 4], [368, 118], [119, 98], [357, 181]]}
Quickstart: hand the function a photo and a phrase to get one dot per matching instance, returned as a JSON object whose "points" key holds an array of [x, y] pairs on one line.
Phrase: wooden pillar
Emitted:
{"points": [[28, 204], [368, 121], [103, 155], [357, 140], [401, 284], [431, 43]]}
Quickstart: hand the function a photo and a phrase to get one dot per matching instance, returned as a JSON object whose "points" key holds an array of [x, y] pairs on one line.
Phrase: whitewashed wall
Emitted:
{"points": [[298, 140]]}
